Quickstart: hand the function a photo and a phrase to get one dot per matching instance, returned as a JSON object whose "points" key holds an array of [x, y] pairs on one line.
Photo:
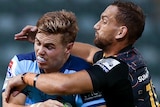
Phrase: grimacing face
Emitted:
{"points": [[50, 53], [106, 28]]}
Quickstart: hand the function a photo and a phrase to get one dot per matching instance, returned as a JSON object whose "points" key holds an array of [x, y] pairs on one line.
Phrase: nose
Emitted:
{"points": [[96, 26], [40, 50]]}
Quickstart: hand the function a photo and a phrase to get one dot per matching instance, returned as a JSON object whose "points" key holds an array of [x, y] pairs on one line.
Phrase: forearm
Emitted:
{"points": [[84, 50], [18, 101], [59, 83]]}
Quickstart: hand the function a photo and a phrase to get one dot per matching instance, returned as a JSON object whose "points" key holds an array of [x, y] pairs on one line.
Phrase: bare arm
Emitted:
{"points": [[84, 50], [17, 101], [59, 83]]}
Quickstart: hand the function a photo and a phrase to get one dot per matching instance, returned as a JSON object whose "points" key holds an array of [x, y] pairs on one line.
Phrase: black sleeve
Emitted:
{"points": [[104, 77]]}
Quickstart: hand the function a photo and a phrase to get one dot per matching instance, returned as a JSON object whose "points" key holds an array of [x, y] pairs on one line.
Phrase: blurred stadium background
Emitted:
{"points": [[15, 14]]}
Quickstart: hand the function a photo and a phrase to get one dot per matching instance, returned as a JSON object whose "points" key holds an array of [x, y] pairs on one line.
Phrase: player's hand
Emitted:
{"points": [[50, 103], [14, 86], [28, 33]]}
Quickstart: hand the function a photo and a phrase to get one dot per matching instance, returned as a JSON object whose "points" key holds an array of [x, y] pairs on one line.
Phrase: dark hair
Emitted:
{"points": [[132, 16], [59, 22]]}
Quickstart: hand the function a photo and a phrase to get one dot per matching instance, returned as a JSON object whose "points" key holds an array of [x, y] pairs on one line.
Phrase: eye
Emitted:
{"points": [[105, 21], [37, 42], [50, 47]]}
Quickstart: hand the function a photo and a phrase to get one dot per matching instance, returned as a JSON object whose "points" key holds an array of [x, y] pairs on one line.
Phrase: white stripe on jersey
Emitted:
{"points": [[107, 63]]}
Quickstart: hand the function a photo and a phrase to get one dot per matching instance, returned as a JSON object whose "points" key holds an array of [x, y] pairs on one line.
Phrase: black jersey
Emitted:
{"points": [[110, 76], [143, 89]]}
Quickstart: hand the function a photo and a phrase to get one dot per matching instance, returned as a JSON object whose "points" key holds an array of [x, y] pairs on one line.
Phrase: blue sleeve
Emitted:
{"points": [[14, 68]]}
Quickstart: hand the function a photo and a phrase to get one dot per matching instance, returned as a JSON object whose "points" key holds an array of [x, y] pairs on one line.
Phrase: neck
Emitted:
{"points": [[113, 50]]}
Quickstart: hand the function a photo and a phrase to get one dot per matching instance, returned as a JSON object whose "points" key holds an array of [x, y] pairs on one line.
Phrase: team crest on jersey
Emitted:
{"points": [[107, 63]]}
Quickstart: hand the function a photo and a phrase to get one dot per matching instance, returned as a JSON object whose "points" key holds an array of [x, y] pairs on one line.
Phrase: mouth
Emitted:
{"points": [[40, 59], [96, 33]]}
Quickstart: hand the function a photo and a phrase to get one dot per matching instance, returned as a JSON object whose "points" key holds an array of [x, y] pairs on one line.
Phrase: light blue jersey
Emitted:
{"points": [[27, 63]]}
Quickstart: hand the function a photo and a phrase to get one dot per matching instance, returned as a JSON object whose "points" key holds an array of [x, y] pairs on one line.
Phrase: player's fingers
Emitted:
{"points": [[7, 93], [29, 28], [20, 38], [25, 31], [15, 93], [55, 103]]}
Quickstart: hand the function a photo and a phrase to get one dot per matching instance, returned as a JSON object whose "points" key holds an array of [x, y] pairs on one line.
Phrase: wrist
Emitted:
{"points": [[29, 78], [35, 80], [22, 77]]}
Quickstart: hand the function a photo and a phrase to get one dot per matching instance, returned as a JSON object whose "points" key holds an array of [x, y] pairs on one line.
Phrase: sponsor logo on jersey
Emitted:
{"points": [[10, 64], [9, 70], [107, 63], [144, 76], [91, 96]]}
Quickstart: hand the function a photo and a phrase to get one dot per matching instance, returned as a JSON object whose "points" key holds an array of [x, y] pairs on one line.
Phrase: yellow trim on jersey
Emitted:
{"points": [[152, 94]]}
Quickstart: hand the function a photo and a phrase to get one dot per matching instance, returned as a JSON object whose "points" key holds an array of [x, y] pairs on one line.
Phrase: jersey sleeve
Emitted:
{"points": [[107, 72], [14, 68]]}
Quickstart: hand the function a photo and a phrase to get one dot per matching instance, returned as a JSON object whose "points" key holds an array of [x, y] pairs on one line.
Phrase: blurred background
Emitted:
{"points": [[15, 14]]}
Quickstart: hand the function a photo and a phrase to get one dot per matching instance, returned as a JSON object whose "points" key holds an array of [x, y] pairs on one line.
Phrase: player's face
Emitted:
{"points": [[50, 52], [106, 28]]}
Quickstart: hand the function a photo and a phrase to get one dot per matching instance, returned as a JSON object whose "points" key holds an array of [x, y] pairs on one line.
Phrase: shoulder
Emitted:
{"points": [[28, 56], [109, 63], [76, 63], [107, 72], [21, 63], [97, 56], [109, 66]]}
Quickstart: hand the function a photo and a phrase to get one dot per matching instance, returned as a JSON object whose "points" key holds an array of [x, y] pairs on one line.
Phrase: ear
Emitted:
{"points": [[69, 47], [122, 32]]}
